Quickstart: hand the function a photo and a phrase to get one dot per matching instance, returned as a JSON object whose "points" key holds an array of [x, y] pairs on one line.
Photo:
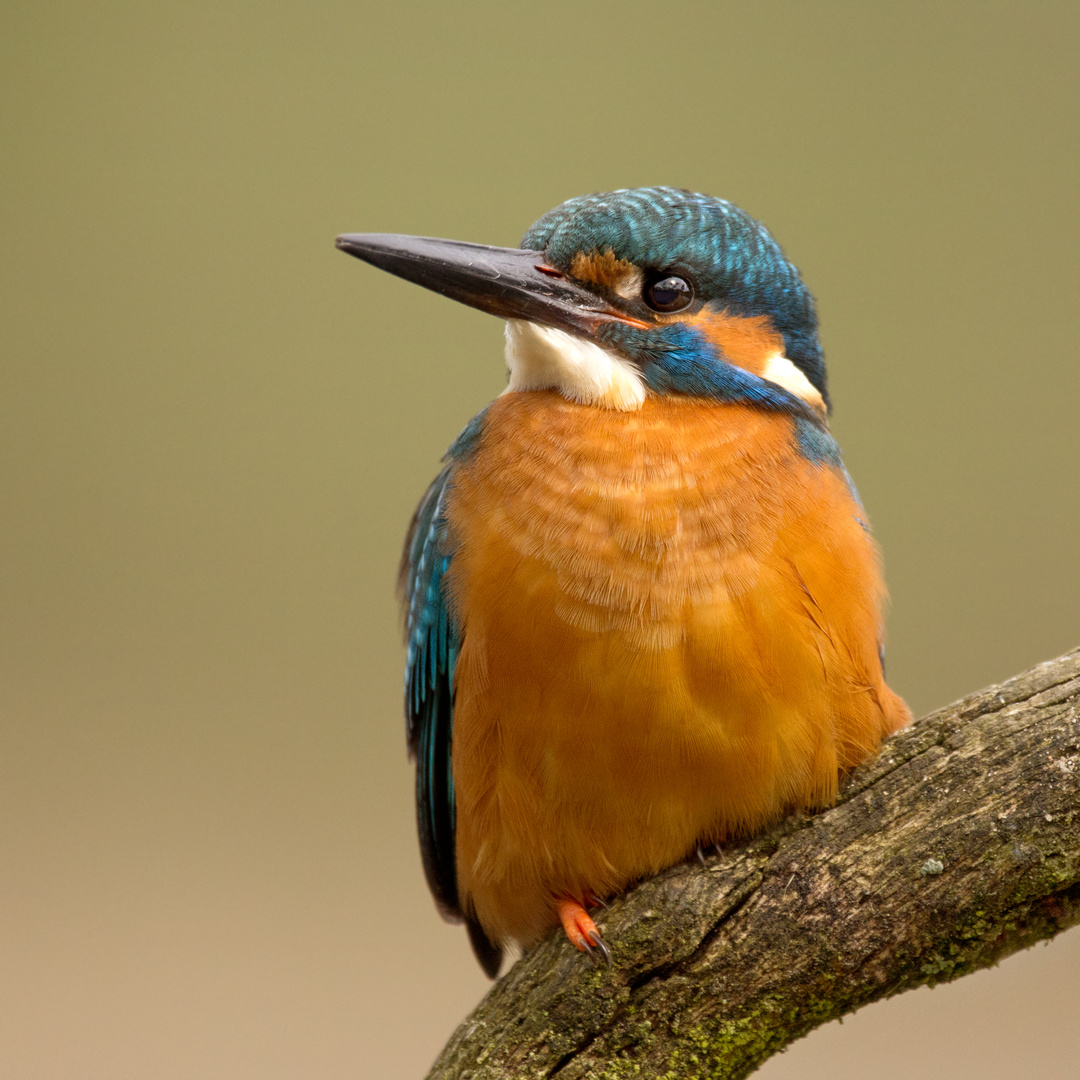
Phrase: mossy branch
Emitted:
{"points": [[957, 846]]}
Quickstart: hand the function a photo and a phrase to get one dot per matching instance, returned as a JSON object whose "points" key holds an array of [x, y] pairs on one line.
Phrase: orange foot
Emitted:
{"points": [[582, 931]]}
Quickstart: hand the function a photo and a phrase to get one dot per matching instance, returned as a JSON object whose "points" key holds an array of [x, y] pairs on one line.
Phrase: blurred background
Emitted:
{"points": [[215, 428]]}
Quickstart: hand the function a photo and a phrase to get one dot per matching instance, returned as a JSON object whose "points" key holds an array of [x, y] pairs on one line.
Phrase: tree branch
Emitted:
{"points": [[958, 845]]}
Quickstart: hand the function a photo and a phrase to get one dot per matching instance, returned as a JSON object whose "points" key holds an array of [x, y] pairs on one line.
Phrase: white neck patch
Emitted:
{"points": [[780, 370], [542, 358]]}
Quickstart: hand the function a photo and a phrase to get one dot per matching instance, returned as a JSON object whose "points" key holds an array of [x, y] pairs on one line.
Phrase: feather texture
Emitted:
{"points": [[667, 625], [433, 642], [432, 650]]}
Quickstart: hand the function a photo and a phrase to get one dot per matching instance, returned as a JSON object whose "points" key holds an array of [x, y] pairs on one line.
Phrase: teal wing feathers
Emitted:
{"points": [[433, 640], [429, 696]]}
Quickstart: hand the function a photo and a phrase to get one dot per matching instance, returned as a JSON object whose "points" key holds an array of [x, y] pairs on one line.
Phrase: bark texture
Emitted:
{"points": [[958, 845]]}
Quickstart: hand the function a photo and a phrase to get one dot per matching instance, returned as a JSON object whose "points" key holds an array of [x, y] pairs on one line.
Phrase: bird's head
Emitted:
{"points": [[611, 297]]}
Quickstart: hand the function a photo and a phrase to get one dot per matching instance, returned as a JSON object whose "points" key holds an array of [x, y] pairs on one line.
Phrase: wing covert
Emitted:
{"points": [[434, 640], [429, 695]]}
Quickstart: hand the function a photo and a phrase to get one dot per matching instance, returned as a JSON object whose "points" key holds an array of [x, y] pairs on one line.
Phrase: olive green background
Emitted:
{"points": [[215, 428]]}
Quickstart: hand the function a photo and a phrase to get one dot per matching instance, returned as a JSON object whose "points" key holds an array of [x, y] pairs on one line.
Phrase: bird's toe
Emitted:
{"points": [[581, 931]]}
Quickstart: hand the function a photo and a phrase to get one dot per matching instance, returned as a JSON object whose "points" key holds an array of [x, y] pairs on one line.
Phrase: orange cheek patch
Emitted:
{"points": [[602, 268], [746, 342]]}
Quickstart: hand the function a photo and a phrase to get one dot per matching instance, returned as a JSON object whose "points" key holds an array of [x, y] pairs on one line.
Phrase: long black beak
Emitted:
{"points": [[513, 283]]}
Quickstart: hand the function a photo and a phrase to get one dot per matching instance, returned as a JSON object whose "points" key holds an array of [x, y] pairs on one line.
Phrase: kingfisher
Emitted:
{"points": [[643, 604]]}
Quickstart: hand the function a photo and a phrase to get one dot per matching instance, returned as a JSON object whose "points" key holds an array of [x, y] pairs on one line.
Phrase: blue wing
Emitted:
{"points": [[429, 695], [433, 643]]}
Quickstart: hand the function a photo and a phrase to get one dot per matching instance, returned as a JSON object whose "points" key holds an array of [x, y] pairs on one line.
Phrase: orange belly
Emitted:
{"points": [[670, 625]]}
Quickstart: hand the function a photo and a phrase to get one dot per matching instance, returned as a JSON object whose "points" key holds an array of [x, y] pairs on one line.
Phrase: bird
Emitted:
{"points": [[642, 600]]}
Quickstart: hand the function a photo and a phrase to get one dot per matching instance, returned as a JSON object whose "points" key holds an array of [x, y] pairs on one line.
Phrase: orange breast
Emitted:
{"points": [[670, 629]]}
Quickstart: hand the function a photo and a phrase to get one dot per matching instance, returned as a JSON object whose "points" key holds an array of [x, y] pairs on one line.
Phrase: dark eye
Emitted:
{"points": [[668, 293]]}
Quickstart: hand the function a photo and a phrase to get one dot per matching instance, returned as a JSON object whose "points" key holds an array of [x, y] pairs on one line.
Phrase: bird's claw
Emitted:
{"points": [[713, 849], [595, 948], [582, 932]]}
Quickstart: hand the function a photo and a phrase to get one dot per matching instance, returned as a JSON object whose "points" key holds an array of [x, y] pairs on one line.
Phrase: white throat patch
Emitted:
{"points": [[541, 358]]}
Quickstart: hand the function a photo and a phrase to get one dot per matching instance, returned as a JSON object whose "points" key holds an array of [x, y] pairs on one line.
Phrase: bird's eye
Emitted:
{"points": [[668, 293]]}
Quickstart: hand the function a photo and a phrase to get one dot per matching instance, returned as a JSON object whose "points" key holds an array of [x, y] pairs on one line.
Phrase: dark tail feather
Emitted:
{"points": [[487, 952]]}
